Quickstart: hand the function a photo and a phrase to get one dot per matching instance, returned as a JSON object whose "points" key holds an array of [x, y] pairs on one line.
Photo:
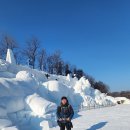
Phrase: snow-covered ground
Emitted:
{"points": [[28, 99], [110, 118]]}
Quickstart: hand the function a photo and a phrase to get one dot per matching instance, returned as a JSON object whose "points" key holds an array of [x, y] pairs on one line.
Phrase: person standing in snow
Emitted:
{"points": [[65, 113]]}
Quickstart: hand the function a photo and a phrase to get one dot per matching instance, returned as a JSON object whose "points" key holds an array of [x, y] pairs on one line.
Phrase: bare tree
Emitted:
{"points": [[56, 60], [67, 69], [50, 64], [55, 63], [19, 57], [1, 53], [79, 73], [7, 42], [102, 87], [31, 50], [91, 80], [42, 59], [60, 67], [120, 94]]}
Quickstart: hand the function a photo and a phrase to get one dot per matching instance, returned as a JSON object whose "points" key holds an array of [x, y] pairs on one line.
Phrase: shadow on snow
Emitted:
{"points": [[98, 126]]}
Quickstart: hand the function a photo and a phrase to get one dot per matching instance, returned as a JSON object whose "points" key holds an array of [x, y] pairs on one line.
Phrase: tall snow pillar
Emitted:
{"points": [[10, 57], [68, 77]]}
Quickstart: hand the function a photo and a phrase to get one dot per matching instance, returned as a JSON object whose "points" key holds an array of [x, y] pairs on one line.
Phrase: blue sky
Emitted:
{"points": [[92, 34]]}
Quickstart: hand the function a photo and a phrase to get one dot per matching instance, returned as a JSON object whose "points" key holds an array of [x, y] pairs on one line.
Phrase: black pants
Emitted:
{"points": [[65, 125]]}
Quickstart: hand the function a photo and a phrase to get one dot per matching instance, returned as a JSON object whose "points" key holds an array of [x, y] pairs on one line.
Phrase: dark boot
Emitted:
{"points": [[68, 126], [62, 127]]}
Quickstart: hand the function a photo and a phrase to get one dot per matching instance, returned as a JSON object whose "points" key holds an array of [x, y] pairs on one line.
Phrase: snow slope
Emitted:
{"points": [[28, 99], [110, 118]]}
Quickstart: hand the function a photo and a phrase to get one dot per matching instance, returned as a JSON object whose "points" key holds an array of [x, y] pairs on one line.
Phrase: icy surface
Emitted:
{"points": [[111, 118]]}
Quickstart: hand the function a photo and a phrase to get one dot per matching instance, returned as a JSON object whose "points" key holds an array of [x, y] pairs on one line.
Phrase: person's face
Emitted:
{"points": [[64, 101]]}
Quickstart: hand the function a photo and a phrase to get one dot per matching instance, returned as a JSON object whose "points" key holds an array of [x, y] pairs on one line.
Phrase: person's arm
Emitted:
{"points": [[58, 112], [71, 112]]}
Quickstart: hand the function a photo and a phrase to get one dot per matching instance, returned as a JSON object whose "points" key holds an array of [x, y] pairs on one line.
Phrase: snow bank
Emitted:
{"points": [[111, 99], [100, 99], [24, 75], [45, 125], [122, 100], [88, 101], [12, 104], [97, 92], [7, 75], [27, 96], [3, 65], [82, 85], [38, 75], [56, 90], [10, 128], [5, 123], [10, 87], [92, 97], [39, 105], [3, 112], [17, 87]]}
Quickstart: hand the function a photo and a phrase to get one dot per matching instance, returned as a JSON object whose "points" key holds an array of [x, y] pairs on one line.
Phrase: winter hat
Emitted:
{"points": [[64, 98]]}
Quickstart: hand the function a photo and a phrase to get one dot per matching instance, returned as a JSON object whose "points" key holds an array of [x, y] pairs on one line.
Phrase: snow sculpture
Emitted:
{"points": [[10, 57]]}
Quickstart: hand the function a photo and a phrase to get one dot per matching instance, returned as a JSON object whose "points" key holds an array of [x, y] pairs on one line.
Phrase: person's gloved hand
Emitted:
{"points": [[68, 119], [60, 119]]}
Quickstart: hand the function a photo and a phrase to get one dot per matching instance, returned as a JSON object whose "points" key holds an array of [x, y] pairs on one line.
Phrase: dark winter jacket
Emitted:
{"points": [[64, 112]]}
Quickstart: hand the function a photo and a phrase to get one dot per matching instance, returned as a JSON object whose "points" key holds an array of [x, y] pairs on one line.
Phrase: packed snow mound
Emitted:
{"points": [[9, 87], [97, 92], [4, 70], [91, 96], [39, 105], [27, 96], [101, 100], [13, 87], [111, 100], [12, 104], [10, 57], [82, 85], [3, 112], [24, 75], [26, 71], [10, 128], [7, 75], [5, 123], [3, 65], [45, 125], [84, 81], [88, 101], [56, 90], [122, 100]]}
